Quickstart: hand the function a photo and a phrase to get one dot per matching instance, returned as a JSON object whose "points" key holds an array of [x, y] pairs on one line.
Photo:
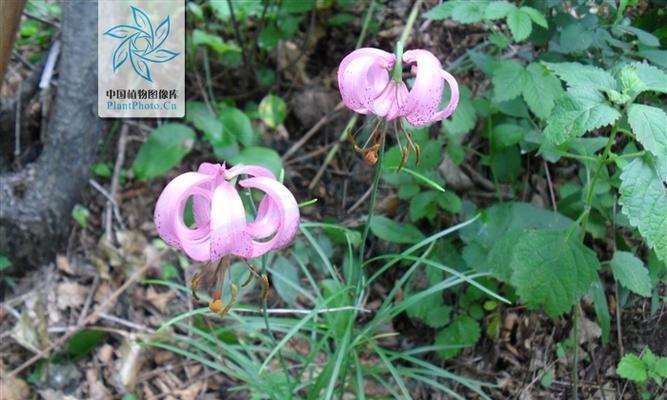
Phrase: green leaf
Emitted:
{"points": [[498, 10], [257, 155], [272, 110], [509, 79], [423, 205], [464, 118], [4, 263], [632, 367], [469, 12], [575, 114], [537, 16], [392, 231], [268, 38], [631, 273], [599, 300], [442, 11], [661, 367], [653, 78], [583, 76], [551, 270], [449, 201], [237, 124], [165, 148], [204, 120], [285, 279], [520, 24], [505, 135], [84, 342], [645, 38], [643, 196], [80, 214], [649, 124], [658, 57], [463, 332], [202, 38], [575, 38], [540, 90], [299, 6]]}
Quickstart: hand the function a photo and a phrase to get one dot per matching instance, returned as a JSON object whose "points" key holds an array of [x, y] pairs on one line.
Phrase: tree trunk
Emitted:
{"points": [[9, 21], [36, 203]]}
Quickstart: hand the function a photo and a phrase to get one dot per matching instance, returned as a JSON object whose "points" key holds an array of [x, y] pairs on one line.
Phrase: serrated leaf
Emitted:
{"points": [[498, 9], [649, 124], [541, 89], [422, 205], [643, 197], [441, 11], [577, 113], [462, 332], [469, 12], [631, 273], [392, 231], [552, 270], [661, 367], [509, 78], [520, 24], [535, 15], [464, 118], [653, 78], [583, 76], [163, 150], [575, 38], [632, 367]]}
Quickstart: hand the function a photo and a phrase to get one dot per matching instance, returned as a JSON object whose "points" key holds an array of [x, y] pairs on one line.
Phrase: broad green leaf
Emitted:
{"points": [[509, 79], [299, 6], [268, 38], [519, 23], [632, 367], [392, 231], [661, 367], [536, 15], [645, 38], [4, 263], [643, 197], [540, 90], [498, 10], [237, 124], [469, 12], [631, 273], [423, 205], [505, 135], [272, 110], [199, 115], [80, 214], [442, 11], [552, 270], [583, 76], [658, 57], [257, 155], [462, 332], [653, 78], [463, 120], [285, 279], [649, 124], [163, 150], [203, 38], [576, 113], [575, 38], [449, 201], [84, 342]]}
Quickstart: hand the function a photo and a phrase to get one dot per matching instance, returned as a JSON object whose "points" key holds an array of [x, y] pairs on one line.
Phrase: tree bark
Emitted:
{"points": [[36, 203], [9, 21]]}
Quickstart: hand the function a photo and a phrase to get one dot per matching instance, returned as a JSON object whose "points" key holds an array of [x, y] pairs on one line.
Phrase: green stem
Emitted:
{"points": [[397, 73], [411, 21], [371, 207], [364, 27], [591, 187]]}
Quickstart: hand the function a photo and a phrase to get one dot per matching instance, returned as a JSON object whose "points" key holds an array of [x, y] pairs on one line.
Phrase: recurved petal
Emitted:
{"points": [[170, 204], [287, 211], [362, 75], [267, 220], [252, 170], [453, 98], [424, 97], [228, 223], [390, 102]]}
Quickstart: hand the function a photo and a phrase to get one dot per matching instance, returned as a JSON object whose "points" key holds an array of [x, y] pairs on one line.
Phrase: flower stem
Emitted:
{"points": [[397, 73], [410, 22]]}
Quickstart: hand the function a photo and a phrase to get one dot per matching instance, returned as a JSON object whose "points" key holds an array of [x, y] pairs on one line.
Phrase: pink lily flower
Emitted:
{"points": [[221, 227], [365, 86]]}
